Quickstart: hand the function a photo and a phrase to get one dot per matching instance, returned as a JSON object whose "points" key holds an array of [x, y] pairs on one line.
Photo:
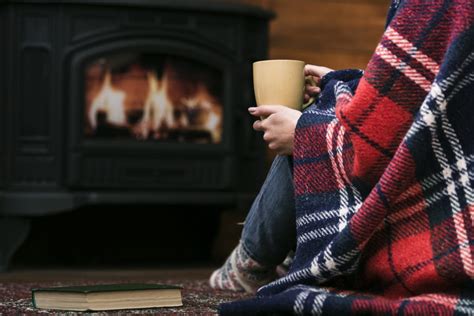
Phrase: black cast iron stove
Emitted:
{"points": [[125, 102]]}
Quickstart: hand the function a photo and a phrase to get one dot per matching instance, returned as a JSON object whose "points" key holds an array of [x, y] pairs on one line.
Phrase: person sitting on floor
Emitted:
{"points": [[376, 188]]}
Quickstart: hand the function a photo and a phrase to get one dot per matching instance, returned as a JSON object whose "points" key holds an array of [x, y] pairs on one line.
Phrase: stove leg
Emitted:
{"points": [[13, 232]]}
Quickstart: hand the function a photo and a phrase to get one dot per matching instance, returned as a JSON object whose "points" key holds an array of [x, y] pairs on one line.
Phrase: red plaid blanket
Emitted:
{"points": [[384, 179]]}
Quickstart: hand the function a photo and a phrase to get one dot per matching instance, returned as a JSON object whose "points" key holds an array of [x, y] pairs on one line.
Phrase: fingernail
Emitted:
{"points": [[252, 109]]}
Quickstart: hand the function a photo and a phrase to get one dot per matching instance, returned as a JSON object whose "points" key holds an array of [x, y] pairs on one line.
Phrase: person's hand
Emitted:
{"points": [[278, 127], [316, 72]]}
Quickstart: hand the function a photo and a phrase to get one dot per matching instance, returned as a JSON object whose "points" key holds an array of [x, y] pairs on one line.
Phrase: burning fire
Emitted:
{"points": [[158, 110], [109, 101], [163, 110], [208, 111]]}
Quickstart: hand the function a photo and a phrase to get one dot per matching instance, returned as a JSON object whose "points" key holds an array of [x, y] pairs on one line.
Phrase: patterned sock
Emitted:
{"points": [[283, 268], [241, 273]]}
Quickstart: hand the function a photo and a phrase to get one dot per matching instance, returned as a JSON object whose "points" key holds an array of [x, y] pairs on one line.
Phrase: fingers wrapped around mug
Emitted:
{"points": [[258, 126], [266, 110], [316, 71], [278, 127], [312, 89], [313, 75]]}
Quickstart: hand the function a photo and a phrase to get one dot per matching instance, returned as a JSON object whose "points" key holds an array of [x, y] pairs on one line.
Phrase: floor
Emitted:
{"points": [[198, 297]]}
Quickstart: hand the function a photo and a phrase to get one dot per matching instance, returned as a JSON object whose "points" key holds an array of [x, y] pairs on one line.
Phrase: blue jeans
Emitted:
{"points": [[270, 227]]}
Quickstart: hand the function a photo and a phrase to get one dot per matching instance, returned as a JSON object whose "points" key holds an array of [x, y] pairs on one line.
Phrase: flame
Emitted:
{"points": [[110, 101], [158, 109], [209, 112]]}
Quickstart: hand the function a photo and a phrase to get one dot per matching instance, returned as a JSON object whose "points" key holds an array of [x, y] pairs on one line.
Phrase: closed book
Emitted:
{"points": [[107, 297]]}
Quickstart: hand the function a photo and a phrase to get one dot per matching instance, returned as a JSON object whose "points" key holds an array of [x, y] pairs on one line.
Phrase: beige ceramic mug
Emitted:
{"points": [[280, 81]]}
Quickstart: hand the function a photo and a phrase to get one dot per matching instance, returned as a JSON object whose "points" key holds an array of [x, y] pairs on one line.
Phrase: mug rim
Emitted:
{"points": [[277, 60]]}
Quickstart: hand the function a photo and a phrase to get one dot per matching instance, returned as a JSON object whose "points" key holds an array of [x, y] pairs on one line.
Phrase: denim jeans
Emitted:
{"points": [[270, 227]]}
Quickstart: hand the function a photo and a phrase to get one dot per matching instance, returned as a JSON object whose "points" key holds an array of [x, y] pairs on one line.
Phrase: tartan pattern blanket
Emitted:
{"points": [[384, 178]]}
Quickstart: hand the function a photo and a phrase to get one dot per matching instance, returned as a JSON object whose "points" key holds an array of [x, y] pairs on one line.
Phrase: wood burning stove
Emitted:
{"points": [[120, 101]]}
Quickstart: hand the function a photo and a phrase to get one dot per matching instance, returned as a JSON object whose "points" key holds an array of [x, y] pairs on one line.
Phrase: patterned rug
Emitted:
{"points": [[198, 299]]}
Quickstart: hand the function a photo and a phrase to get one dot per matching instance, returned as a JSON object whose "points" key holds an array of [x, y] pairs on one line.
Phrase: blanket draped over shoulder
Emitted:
{"points": [[384, 178]]}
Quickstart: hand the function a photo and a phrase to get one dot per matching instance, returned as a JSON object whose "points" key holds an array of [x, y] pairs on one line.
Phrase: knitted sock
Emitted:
{"points": [[241, 273], [283, 268]]}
